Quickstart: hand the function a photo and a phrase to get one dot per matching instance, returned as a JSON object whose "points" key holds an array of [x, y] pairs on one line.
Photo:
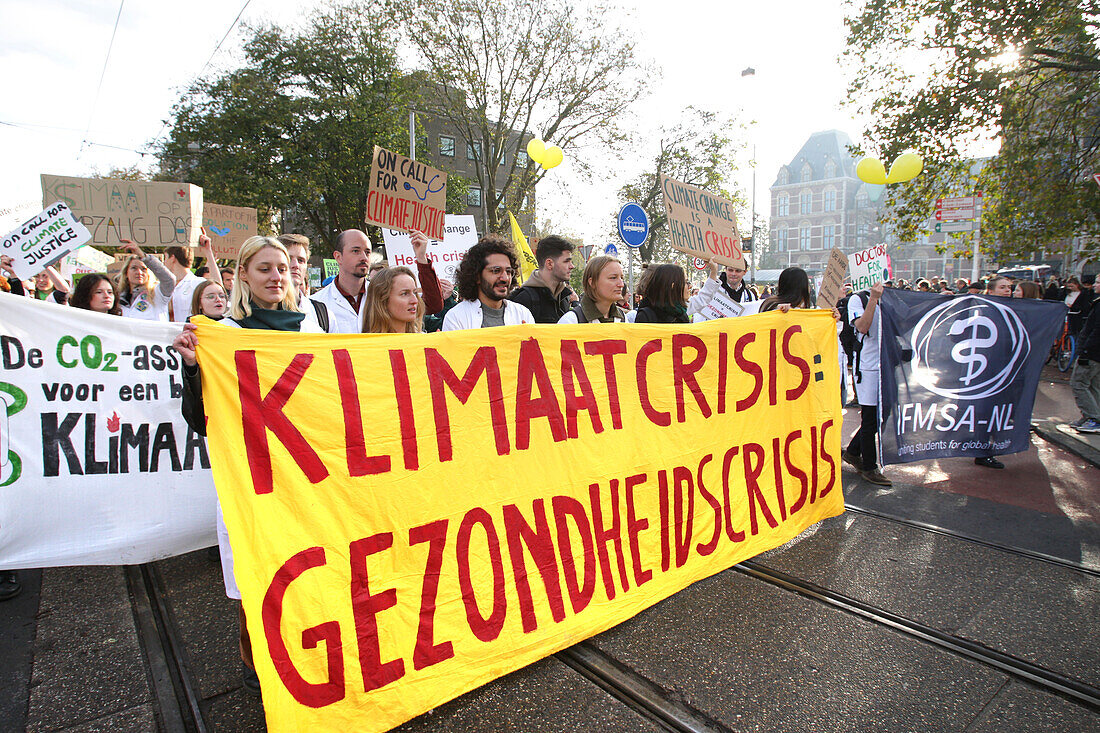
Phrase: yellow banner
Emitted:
{"points": [[414, 515]]}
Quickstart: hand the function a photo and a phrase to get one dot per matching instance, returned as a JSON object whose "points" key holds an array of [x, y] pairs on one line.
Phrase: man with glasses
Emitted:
{"points": [[483, 281]]}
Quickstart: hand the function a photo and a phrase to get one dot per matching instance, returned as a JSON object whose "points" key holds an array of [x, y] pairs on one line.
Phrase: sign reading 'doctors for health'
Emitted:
{"points": [[148, 213], [43, 239], [228, 227], [406, 194], [459, 234], [869, 267], [701, 224]]}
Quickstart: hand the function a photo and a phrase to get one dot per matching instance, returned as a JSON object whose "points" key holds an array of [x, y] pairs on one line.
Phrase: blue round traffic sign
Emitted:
{"points": [[611, 249], [633, 225]]}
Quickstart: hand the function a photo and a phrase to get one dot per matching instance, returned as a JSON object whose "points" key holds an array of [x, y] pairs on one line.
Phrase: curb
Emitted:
{"points": [[1045, 429]]}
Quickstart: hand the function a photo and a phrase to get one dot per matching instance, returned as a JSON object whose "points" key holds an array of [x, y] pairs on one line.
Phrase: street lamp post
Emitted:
{"points": [[749, 71]]}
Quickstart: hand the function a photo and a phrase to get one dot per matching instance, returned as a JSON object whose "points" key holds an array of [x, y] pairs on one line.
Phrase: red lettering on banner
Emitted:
{"points": [[484, 628], [683, 373], [663, 419], [359, 463], [752, 455], [773, 370], [603, 535], [663, 508], [723, 358], [828, 459], [260, 414], [531, 371], [608, 348], [365, 608], [405, 415], [749, 367], [441, 375], [541, 547], [580, 594], [573, 373], [311, 694], [727, 462], [813, 462], [796, 472], [796, 361], [706, 548], [777, 469], [427, 652], [634, 527], [684, 511]]}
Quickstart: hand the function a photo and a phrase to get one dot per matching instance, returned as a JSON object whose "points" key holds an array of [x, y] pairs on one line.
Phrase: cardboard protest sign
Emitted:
{"points": [[459, 234], [97, 465], [869, 267], [43, 239], [832, 282], [722, 306], [406, 194], [701, 224], [627, 462], [148, 213], [228, 227]]}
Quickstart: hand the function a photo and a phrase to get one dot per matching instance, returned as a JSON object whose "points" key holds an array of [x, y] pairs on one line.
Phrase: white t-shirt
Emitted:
{"points": [[869, 353], [181, 296]]}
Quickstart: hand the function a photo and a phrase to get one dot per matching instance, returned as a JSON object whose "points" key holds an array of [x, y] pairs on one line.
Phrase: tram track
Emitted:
{"points": [[944, 532], [1050, 681]]}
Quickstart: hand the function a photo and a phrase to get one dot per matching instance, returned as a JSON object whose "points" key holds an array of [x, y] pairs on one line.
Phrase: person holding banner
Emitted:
{"points": [[546, 292], [862, 452], [209, 300], [666, 296], [96, 292], [484, 278], [265, 298], [393, 305], [140, 294], [603, 288]]}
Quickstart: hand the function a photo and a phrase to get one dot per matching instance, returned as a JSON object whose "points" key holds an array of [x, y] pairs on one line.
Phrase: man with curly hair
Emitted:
{"points": [[484, 279]]}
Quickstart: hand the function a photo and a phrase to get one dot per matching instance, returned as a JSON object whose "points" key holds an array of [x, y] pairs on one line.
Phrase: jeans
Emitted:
{"points": [[1085, 382], [863, 442]]}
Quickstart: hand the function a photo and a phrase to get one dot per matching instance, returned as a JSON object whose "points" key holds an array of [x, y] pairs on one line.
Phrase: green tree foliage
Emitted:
{"points": [[294, 127], [510, 71], [699, 150], [940, 77]]}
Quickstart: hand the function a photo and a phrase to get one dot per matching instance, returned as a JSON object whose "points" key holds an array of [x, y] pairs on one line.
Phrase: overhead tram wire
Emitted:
{"points": [[102, 74]]}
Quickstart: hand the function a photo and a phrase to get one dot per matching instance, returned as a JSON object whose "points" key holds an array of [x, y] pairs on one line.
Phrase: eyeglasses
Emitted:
{"points": [[213, 296], [496, 270]]}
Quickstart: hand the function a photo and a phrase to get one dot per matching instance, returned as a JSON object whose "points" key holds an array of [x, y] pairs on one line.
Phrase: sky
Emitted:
{"points": [[59, 93]]}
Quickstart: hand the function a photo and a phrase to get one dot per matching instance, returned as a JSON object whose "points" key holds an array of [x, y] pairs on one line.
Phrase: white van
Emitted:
{"points": [[1035, 273]]}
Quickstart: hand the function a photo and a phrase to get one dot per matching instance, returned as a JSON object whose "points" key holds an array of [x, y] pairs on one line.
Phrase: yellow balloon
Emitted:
{"points": [[905, 168], [536, 149], [553, 157], [871, 170]]}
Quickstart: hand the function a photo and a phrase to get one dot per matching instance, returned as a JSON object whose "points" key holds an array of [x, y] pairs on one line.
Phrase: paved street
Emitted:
{"points": [[885, 618]]}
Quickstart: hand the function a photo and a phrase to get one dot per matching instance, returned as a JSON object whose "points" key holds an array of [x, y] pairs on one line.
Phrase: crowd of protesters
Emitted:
{"points": [[268, 288]]}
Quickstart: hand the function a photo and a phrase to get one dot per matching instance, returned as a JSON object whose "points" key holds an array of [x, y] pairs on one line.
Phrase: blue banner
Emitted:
{"points": [[959, 373]]}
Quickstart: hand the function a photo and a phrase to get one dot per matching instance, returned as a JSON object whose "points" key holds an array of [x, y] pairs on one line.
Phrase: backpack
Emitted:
{"points": [[322, 315], [849, 339]]}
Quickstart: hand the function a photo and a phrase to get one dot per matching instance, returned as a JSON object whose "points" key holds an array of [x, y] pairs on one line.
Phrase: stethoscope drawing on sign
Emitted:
{"points": [[428, 189]]}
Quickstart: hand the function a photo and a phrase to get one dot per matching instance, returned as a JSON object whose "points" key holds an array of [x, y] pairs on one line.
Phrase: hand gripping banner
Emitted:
{"points": [[414, 515], [959, 373]]}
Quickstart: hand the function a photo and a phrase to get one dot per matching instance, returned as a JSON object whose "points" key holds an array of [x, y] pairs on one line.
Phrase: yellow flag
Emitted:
{"points": [[526, 256]]}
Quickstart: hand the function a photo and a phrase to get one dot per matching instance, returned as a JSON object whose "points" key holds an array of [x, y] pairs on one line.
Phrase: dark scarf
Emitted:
{"points": [[272, 320], [592, 313], [674, 313], [735, 295]]}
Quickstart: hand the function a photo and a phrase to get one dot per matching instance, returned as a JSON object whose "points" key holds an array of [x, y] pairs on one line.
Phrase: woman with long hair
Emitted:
{"points": [[603, 288], [144, 286], [96, 292], [792, 290], [263, 297], [1028, 289], [209, 300], [1079, 300], [666, 295], [393, 305]]}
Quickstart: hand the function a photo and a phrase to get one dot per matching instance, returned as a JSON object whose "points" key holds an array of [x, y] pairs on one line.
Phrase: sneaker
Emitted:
{"points": [[1089, 426], [249, 679], [852, 460], [1078, 423], [10, 586], [989, 462], [876, 478]]}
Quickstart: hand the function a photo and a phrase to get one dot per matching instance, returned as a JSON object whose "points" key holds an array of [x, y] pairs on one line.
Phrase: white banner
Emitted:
{"points": [[43, 239], [97, 466], [459, 234], [869, 267]]}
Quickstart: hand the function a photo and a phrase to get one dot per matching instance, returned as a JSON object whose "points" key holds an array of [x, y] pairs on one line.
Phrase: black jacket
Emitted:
{"points": [[1089, 338], [540, 301], [649, 314]]}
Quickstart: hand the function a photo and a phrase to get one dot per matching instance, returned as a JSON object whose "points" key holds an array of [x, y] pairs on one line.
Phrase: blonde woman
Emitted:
{"points": [[393, 305], [603, 288], [145, 285], [264, 297]]}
